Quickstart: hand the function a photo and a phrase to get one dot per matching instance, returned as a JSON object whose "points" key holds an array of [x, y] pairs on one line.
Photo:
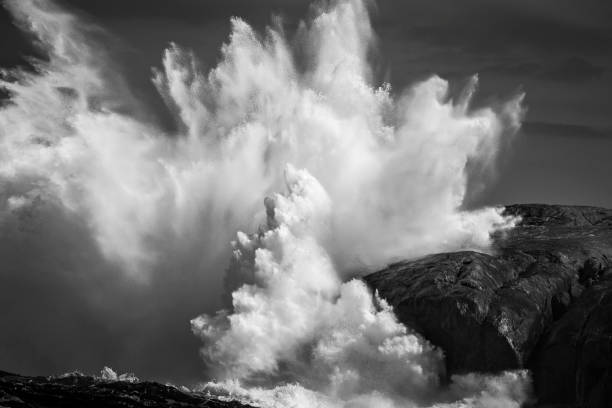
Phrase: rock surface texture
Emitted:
{"points": [[77, 391], [541, 300]]}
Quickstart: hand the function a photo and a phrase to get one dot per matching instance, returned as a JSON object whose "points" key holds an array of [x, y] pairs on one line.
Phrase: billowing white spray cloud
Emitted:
{"points": [[297, 321], [393, 168], [298, 312], [383, 177]]}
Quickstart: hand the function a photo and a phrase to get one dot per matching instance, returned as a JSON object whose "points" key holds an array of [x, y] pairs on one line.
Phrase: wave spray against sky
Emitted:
{"points": [[353, 176]]}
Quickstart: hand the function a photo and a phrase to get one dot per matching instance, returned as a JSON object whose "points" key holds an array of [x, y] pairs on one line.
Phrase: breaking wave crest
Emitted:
{"points": [[365, 176]]}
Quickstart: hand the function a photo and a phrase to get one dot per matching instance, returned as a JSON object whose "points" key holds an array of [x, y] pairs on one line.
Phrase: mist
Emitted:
{"points": [[356, 175]]}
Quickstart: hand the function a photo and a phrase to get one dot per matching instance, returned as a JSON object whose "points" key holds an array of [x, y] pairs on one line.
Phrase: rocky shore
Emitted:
{"points": [[541, 300]]}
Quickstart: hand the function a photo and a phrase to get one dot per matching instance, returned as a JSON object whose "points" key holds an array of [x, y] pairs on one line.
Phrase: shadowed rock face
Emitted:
{"points": [[541, 300], [86, 392], [573, 360]]}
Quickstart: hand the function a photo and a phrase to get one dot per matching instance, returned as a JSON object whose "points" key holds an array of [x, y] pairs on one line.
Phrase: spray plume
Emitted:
{"points": [[369, 177]]}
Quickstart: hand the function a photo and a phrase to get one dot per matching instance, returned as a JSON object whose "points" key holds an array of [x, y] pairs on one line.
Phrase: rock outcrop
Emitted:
{"points": [[78, 391], [541, 300], [573, 360]]}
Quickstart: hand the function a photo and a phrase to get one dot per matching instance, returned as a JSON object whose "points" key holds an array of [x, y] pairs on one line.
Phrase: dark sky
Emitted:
{"points": [[558, 51]]}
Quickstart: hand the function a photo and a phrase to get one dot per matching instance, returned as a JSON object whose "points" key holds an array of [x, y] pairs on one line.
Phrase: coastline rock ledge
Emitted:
{"points": [[542, 300]]}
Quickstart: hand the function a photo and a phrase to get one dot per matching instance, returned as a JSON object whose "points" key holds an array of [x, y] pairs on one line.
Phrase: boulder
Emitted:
{"points": [[527, 304]]}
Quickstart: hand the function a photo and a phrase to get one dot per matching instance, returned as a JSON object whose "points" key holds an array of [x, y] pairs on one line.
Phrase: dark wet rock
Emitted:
{"points": [[540, 300], [78, 391], [573, 361]]}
